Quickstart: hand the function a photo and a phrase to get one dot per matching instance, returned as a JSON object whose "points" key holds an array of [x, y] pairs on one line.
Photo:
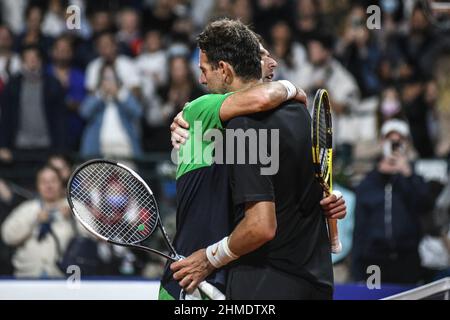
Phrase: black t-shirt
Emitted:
{"points": [[301, 246]]}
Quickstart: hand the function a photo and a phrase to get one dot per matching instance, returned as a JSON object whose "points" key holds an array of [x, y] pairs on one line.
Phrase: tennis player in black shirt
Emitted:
{"points": [[281, 236]]}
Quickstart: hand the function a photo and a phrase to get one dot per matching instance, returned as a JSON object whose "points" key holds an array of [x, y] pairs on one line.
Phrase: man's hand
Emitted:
{"points": [[189, 272], [334, 207], [179, 132], [301, 96]]}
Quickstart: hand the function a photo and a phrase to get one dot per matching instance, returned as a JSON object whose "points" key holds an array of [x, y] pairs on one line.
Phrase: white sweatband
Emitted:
{"points": [[290, 89], [219, 254]]}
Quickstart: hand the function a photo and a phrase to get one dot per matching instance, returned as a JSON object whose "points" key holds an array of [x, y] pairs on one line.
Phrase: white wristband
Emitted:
{"points": [[290, 89], [219, 254]]}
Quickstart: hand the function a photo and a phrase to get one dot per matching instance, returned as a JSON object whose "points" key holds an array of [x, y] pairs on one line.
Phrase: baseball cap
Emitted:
{"points": [[395, 125]]}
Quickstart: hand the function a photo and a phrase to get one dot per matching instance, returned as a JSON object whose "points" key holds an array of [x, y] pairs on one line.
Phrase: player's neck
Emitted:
{"points": [[239, 84]]}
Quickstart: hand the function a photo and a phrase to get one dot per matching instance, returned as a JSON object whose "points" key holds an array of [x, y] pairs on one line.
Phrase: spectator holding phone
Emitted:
{"points": [[40, 229], [389, 202]]}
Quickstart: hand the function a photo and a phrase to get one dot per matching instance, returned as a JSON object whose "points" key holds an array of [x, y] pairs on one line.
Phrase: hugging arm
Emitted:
{"points": [[259, 98]]}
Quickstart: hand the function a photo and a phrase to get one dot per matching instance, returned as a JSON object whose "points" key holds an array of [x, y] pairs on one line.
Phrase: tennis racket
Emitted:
{"points": [[322, 151], [116, 205]]}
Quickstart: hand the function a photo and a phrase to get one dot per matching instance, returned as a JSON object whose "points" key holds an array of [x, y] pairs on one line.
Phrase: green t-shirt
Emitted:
{"points": [[202, 115]]}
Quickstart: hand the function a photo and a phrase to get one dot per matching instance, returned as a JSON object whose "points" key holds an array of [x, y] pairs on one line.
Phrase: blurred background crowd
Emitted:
{"points": [[112, 87]]}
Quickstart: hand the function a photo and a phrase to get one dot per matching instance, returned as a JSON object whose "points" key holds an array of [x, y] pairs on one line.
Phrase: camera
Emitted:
{"points": [[393, 146], [396, 145]]}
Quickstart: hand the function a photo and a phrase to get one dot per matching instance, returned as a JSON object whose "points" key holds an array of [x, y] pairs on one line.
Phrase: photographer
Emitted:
{"points": [[389, 203], [39, 229]]}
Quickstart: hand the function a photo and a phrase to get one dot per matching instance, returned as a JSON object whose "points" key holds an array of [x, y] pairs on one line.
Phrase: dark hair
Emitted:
{"points": [[190, 74], [63, 37], [51, 168], [31, 7], [325, 39], [288, 55], [105, 33], [63, 156], [8, 29], [31, 47], [259, 37], [102, 72], [233, 42]]}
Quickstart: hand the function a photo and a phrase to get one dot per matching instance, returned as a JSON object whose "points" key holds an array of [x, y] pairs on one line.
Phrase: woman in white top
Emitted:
{"points": [[40, 229]]}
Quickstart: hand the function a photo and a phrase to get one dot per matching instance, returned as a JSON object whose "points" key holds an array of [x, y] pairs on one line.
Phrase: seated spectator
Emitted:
{"points": [[267, 13], [12, 14], [151, 65], [417, 43], [8, 200], [389, 202], [181, 88], [32, 34], [390, 106], [63, 164], [93, 23], [9, 61], [307, 20], [100, 19], [323, 71], [290, 55], [32, 120], [54, 22], [128, 36], [359, 53], [182, 36], [161, 16], [72, 81], [112, 113], [417, 111], [123, 66], [40, 229], [243, 10]]}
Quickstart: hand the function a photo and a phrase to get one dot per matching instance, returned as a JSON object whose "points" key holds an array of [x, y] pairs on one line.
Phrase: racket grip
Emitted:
{"points": [[336, 246], [211, 291]]}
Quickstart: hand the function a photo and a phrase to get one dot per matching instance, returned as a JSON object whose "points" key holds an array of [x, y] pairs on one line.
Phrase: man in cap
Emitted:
{"points": [[389, 203]]}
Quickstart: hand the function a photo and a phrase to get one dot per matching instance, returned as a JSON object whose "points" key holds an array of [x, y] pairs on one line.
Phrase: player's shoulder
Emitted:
{"points": [[246, 122], [204, 101], [206, 98]]}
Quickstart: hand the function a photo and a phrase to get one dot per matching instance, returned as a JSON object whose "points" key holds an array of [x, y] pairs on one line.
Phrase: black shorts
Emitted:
{"points": [[266, 283]]}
